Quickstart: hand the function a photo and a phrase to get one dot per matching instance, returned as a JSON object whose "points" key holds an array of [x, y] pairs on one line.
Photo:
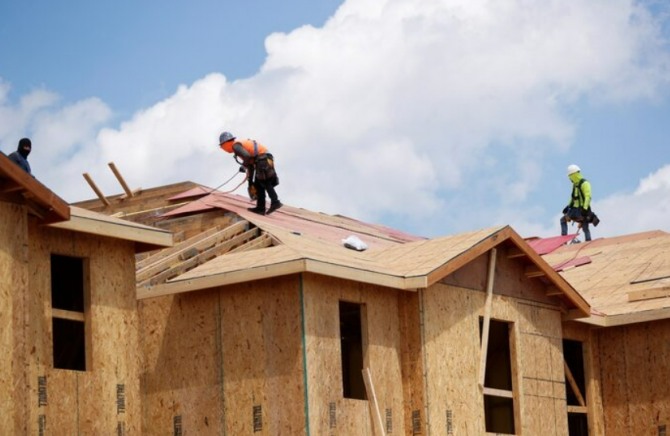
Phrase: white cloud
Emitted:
{"points": [[648, 208], [398, 108]]}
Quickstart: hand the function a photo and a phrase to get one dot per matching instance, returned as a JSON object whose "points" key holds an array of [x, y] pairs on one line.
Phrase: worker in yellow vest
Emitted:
{"points": [[579, 207], [259, 165]]}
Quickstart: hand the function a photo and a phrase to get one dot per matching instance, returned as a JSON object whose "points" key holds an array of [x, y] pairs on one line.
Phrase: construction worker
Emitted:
{"points": [[20, 156], [579, 207], [260, 168]]}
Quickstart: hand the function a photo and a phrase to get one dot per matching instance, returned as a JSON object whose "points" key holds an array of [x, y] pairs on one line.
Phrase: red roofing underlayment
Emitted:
{"points": [[547, 245], [544, 246], [326, 227]]}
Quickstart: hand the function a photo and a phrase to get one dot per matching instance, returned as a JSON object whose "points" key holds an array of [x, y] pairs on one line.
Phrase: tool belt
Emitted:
{"points": [[265, 168]]}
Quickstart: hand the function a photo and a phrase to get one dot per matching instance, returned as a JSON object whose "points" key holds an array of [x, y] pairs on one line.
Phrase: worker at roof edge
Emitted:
{"points": [[579, 207], [20, 156], [260, 168]]}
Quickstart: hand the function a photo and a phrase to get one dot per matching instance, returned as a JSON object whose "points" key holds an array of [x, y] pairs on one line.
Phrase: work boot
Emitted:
{"points": [[258, 210], [274, 206]]}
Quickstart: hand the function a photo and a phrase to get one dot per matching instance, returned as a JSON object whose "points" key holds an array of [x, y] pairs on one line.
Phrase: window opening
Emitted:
{"points": [[351, 343], [498, 382], [575, 386], [67, 307]]}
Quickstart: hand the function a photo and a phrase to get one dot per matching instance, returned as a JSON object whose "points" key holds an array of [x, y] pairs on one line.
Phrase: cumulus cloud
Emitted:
{"points": [[647, 208], [434, 116]]}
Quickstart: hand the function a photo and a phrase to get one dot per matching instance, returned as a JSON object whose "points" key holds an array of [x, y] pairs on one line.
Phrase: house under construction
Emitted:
{"points": [[174, 310]]}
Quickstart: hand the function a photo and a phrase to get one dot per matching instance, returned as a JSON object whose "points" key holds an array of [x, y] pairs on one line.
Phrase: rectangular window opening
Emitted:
{"points": [[498, 381], [351, 341], [573, 352], [67, 304]]}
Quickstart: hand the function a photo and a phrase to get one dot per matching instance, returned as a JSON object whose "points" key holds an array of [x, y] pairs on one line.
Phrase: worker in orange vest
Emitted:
{"points": [[260, 168]]}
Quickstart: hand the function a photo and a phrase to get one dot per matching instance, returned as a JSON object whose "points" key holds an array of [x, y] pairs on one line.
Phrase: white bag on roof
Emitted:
{"points": [[354, 243]]}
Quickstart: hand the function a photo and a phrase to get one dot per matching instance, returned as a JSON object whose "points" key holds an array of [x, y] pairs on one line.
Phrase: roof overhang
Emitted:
{"points": [[17, 186], [145, 237], [373, 268]]}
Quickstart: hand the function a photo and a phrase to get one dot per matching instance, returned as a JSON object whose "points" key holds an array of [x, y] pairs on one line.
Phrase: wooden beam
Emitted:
{"points": [[53, 208], [176, 249], [95, 189], [498, 393], [578, 409], [182, 267], [263, 241], [532, 271], [374, 406], [67, 314], [649, 294], [199, 244], [573, 384], [119, 177], [487, 317], [515, 252], [553, 291]]}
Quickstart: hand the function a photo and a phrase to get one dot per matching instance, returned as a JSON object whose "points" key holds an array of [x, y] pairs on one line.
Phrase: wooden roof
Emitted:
{"points": [[145, 237], [220, 242], [17, 186], [626, 279]]}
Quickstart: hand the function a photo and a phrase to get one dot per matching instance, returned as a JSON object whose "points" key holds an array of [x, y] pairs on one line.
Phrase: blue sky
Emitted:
{"points": [[432, 117]]}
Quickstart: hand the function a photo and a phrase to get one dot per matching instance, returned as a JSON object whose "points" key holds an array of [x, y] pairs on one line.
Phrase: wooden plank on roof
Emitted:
{"points": [[203, 257], [197, 243], [263, 241], [121, 180], [649, 293], [95, 189], [175, 249]]}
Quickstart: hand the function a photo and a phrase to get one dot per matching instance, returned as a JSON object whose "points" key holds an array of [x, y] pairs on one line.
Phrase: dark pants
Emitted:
{"points": [[574, 214], [261, 187]]}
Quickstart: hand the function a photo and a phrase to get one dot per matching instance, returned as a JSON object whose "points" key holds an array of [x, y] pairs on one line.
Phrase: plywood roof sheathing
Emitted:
{"points": [[624, 280]]}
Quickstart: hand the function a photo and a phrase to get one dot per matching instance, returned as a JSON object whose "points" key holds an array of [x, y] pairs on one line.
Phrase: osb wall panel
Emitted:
{"points": [[224, 361], [634, 366], [181, 382], [263, 358], [509, 278], [451, 340], [329, 412], [105, 398], [409, 306], [13, 291]]}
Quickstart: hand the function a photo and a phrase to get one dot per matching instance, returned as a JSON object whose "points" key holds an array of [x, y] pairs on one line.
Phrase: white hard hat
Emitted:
{"points": [[573, 169]]}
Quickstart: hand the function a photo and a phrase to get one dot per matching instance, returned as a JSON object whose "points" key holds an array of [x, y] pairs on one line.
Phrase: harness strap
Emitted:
{"points": [[580, 194]]}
